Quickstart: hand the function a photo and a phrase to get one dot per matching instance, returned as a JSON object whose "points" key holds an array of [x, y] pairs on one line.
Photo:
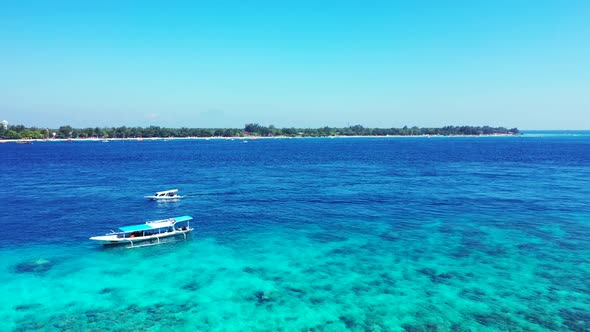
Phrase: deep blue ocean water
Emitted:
{"points": [[359, 234]]}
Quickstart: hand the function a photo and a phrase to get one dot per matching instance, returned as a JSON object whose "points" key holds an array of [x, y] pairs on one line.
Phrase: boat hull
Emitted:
{"points": [[159, 198], [115, 239]]}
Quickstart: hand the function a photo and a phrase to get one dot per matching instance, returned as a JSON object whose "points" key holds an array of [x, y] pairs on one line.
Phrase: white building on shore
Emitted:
{"points": [[4, 124]]}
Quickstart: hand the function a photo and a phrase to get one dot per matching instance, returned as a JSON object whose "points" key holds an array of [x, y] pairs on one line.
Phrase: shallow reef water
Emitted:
{"points": [[359, 234]]}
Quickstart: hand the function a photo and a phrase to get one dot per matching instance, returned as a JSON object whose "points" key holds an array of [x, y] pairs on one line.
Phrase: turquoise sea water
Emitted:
{"points": [[360, 234]]}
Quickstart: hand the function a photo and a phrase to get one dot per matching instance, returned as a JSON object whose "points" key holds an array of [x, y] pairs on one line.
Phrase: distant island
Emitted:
{"points": [[249, 130]]}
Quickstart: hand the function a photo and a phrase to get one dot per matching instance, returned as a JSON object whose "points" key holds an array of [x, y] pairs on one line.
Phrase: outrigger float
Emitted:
{"points": [[151, 231]]}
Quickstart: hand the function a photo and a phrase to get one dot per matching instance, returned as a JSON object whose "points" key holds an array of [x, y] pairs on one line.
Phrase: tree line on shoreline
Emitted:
{"points": [[251, 129]]}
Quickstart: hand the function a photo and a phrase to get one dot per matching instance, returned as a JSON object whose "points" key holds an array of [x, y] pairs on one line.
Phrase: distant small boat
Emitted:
{"points": [[165, 195], [105, 141], [151, 231]]}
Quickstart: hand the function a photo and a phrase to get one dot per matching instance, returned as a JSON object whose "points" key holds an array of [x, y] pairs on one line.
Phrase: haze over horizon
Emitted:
{"points": [[296, 64]]}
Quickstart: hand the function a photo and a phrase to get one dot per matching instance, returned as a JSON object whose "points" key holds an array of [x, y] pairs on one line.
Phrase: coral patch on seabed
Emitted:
{"points": [[34, 266]]}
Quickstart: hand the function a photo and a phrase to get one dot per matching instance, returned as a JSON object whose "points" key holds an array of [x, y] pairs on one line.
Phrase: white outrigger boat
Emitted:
{"points": [[151, 231], [165, 195]]}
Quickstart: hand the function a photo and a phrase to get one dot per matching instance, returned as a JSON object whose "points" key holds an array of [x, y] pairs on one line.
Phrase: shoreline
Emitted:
{"points": [[140, 139]]}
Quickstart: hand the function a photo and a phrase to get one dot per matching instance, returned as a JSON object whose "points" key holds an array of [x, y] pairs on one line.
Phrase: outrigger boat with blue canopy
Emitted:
{"points": [[152, 231]]}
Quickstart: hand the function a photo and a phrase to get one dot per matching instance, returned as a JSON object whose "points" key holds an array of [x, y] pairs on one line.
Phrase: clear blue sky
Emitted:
{"points": [[296, 63]]}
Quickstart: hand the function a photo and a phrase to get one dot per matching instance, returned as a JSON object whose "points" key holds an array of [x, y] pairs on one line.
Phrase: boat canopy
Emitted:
{"points": [[183, 218], [155, 224], [166, 191], [135, 228]]}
